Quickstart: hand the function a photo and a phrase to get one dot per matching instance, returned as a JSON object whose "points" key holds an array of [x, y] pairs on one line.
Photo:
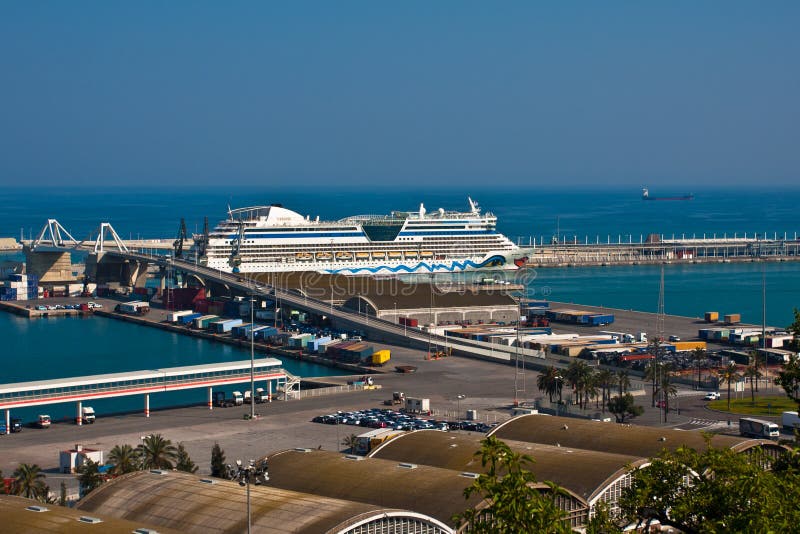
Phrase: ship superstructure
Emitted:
{"points": [[275, 239]]}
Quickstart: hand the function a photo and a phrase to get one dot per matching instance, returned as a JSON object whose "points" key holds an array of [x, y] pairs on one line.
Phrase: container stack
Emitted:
{"points": [[20, 287]]}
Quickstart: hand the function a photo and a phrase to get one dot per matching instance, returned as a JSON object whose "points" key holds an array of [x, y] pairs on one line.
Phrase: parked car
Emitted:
{"points": [[16, 424], [43, 421], [714, 395], [674, 338]]}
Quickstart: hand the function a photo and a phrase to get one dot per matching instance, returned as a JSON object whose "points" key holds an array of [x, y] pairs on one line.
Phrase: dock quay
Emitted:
{"points": [[655, 249]]}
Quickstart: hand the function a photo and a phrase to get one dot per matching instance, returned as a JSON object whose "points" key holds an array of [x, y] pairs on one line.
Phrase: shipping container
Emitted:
{"points": [[202, 322], [712, 317], [173, 316], [381, 357], [733, 318], [187, 319], [222, 327], [683, 346], [263, 332]]}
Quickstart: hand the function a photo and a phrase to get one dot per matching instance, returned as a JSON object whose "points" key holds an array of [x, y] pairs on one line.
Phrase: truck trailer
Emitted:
{"points": [[756, 428]]}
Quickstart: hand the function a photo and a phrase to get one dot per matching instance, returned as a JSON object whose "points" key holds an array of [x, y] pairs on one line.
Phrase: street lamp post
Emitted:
{"points": [[252, 359], [459, 399], [252, 473]]}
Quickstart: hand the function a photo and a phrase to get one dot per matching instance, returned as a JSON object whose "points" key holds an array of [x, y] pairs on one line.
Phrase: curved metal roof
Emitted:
{"points": [[19, 515], [186, 503], [403, 484], [634, 440], [581, 472]]}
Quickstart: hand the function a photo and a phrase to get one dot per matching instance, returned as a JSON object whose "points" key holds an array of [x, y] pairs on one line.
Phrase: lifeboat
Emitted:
{"points": [[395, 255], [303, 256], [324, 256], [378, 255], [362, 255], [344, 256], [426, 254], [411, 254]]}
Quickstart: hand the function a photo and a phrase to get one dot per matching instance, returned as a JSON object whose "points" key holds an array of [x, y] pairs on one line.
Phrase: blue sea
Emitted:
{"points": [[524, 214]]}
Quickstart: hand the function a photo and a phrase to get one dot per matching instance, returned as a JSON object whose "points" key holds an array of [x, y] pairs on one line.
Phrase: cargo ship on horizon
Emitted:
{"points": [[263, 239], [646, 196]]}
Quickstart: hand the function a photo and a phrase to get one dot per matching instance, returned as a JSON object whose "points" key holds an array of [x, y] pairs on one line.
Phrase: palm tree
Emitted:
{"points": [[755, 362], [698, 355], [666, 389], [350, 442], [606, 379], [579, 375], [550, 382], [157, 452], [753, 374], [623, 381], [124, 459], [29, 482], [729, 375], [89, 477]]}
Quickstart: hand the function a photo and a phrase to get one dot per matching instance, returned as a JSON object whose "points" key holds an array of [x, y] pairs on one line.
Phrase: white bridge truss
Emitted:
{"points": [[55, 235]]}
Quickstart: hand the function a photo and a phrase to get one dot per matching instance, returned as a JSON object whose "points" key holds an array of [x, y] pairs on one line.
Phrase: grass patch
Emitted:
{"points": [[763, 406]]}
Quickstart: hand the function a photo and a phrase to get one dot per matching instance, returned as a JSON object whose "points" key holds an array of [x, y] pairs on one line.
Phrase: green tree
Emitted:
{"points": [[550, 382], [602, 521], [753, 374], [718, 490], [728, 375], [698, 356], [184, 462], [62, 497], [605, 380], [218, 462], [124, 459], [623, 381], [515, 502], [789, 378], [579, 375], [89, 477], [623, 407], [794, 329], [156, 452], [29, 482], [665, 388]]}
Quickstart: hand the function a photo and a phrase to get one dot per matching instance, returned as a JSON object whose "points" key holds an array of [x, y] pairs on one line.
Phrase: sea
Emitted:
{"points": [[64, 347]]}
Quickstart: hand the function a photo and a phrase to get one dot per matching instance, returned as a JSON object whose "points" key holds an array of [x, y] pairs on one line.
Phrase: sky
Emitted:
{"points": [[414, 93]]}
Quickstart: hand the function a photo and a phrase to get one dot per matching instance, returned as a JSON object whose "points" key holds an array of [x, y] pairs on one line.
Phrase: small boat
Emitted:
{"points": [[411, 254], [362, 255], [344, 255], [304, 256], [426, 254], [324, 256], [379, 255], [395, 255]]}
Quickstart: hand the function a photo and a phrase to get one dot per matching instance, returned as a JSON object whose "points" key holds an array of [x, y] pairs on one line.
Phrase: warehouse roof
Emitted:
{"points": [[581, 472], [634, 440], [26, 515], [434, 492], [190, 503], [418, 296]]}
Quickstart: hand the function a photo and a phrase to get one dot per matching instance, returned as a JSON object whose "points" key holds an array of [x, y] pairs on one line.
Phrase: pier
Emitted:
{"points": [[84, 388]]}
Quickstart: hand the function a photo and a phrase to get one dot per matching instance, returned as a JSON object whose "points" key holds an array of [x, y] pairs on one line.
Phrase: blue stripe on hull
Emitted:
{"points": [[495, 261]]}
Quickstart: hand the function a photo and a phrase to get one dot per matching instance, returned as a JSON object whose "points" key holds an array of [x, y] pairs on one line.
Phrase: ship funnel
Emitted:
{"points": [[421, 210]]}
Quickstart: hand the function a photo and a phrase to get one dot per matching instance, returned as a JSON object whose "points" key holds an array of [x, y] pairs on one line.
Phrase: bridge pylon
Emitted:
{"points": [[99, 244], [54, 234]]}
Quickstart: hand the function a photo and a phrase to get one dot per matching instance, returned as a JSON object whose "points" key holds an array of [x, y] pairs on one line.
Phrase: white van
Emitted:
{"points": [[87, 414]]}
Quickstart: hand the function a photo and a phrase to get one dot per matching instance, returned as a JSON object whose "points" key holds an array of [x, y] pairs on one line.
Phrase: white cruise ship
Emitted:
{"points": [[274, 239]]}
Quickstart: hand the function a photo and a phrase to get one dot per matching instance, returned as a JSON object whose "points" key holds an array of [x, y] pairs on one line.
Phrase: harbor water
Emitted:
{"points": [[54, 348], [60, 347]]}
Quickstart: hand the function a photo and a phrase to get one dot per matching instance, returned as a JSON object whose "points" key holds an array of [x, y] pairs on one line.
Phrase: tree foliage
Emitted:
{"points": [[184, 462], [29, 482], [156, 452], [789, 379], [729, 375], [728, 492], [513, 501], [89, 477], [124, 459], [624, 407], [551, 382], [218, 468]]}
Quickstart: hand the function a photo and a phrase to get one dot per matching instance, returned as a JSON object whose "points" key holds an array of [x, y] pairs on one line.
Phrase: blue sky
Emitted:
{"points": [[442, 93]]}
